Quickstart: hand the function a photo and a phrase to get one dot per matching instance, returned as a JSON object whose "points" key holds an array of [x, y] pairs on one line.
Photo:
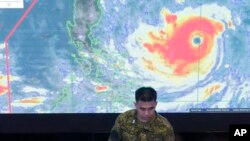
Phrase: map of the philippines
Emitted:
{"points": [[90, 56]]}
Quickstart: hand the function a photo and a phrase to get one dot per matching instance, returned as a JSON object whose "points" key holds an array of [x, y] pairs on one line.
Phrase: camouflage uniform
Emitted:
{"points": [[128, 128]]}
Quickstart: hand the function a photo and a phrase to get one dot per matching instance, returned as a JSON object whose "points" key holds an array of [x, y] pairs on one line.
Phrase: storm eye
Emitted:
{"points": [[197, 41]]}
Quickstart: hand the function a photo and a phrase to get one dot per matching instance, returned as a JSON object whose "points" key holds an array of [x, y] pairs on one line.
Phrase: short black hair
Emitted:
{"points": [[145, 94]]}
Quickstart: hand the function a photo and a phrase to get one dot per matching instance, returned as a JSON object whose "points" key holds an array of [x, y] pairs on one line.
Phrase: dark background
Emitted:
{"points": [[96, 127]]}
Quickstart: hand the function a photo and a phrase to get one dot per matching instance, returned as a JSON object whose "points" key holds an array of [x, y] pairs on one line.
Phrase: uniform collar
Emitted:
{"points": [[135, 120]]}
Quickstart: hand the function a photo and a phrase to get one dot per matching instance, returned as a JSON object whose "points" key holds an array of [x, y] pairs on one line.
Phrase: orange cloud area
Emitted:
{"points": [[101, 88], [33, 100], [3, 87], [183, 42], [3, 90]]}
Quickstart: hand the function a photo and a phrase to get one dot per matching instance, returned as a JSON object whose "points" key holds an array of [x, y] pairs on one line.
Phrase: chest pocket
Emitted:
{"points": [[154, 137], [129, 133]]}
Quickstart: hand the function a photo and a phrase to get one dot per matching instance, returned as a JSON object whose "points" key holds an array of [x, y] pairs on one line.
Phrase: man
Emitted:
{"points": [[142, 123]]}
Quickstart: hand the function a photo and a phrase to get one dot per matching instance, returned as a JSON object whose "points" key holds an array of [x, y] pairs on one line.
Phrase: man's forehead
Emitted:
{"points": [[146, 104]]}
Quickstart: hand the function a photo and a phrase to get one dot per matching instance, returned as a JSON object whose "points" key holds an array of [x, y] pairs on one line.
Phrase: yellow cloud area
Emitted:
{"points": [[3, 83], [29, 102], [210, 90], [2, 45]]}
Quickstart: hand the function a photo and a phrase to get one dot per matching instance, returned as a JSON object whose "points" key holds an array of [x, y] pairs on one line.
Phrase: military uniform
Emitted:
{"points": [[128, 128]]}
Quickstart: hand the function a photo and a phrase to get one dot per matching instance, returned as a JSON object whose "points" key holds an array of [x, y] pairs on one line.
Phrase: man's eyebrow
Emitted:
{"points": [[147, 107]]}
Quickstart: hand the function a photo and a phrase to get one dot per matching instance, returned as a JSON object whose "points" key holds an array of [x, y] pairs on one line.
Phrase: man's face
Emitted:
{"points": [[145, 110]]}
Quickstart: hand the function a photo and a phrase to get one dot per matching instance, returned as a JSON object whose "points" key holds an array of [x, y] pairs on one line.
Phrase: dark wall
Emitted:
{"points": [[96, 127], [102, 123], [104, 137]]}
